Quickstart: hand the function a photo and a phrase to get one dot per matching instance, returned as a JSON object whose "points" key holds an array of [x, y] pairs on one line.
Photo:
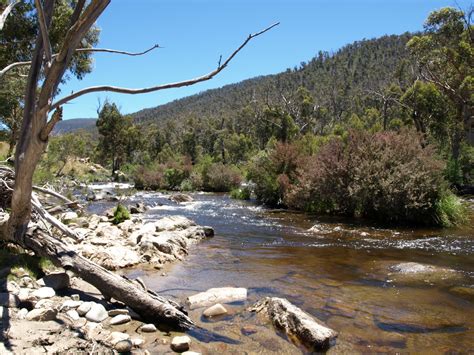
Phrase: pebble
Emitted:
{"points": [[123, 346], [44, 292], [180, 343], [120, 319], [97, 313], [248, 330], [138, 342], [115, 337], [70, 304], [75, 297], [215, 310], [190, 353], [148, 328]]}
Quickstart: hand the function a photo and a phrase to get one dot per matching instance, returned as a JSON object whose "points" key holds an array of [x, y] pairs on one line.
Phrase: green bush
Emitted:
{"points": [[120, 214], [242, 193], [450, 210]]}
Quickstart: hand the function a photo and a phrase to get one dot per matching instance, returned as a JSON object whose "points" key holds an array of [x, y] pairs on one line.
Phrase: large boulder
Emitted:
{"points": [[296, 323]]}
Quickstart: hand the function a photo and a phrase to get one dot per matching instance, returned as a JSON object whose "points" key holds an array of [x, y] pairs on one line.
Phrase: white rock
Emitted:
{"points": [[116, 312], [215, 310], [84, 308], [22, 313], [44, 292], [73, 314], [44, 303], [42, 314], [115, 337], [217, 295], [70, 304], [190, 353], [24, 294], [97, 313], [137, 342], [148, 328], [120, 319], [68, 216], [75, 297], [181, 343]]}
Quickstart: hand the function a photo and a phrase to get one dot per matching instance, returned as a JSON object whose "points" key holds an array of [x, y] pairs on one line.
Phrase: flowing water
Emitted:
{"points": [[341, 273]]}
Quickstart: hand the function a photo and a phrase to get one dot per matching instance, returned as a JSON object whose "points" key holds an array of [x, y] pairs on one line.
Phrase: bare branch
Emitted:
{"points": [[44, 32], [115, 51], [57, 116], [6, 12], [12, 66], [189, 82], [82, 50]]}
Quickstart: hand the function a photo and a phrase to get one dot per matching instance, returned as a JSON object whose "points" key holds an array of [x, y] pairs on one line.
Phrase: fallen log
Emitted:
{"points": [[151, 307], [298, 325]]}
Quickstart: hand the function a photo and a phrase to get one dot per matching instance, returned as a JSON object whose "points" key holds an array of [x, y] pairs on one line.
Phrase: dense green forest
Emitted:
{"points": [[400, 106]]}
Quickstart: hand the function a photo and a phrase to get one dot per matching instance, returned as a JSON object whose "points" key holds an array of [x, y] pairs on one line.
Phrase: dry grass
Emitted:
{"points": [[3, 150]]}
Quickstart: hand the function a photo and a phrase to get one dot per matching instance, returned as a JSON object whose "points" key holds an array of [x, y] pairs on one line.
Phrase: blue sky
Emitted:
{"points": [[194, 33]]}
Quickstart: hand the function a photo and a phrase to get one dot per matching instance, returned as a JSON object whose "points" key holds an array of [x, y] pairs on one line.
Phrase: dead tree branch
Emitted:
{"points": [[189, 82], [6, 12], [44, 31]]}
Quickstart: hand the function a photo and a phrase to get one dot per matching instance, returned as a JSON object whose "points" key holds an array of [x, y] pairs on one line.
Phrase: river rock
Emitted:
{"points": [[148, 328], [117, 311], [296, 323], [123, 346], [9, 300], [84, 308], [138, 208], [180, 343], [217, 295], [137, 342], [70, 304], [464, 292], [57, 281], [190, 353], [120, 319], [215, 310], [172, 223], [109, 232], [22, 313], [412, 272], [72, 313], [180, 198], [115, 337], [68, 216], [44, 292], [97, 313], [42, 314]]}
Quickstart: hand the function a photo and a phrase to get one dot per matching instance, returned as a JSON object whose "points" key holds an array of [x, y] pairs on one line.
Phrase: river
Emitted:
{"points": [[340, 273]]}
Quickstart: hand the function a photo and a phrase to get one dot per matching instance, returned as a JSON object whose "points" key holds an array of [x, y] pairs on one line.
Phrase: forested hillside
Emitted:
{"points": [[339, 84]]}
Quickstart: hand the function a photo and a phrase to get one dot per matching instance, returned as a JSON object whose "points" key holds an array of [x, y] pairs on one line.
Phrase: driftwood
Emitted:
{"points": [[150, 306], [298, 325]]}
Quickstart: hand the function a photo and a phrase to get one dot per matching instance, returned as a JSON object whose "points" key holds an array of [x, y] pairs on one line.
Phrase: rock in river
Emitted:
{"points": [[97, 313], [215, 310], [215, 295], [296, 323]]}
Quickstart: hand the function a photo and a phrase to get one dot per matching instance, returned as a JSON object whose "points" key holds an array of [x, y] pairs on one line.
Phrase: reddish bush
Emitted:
{"points": [[387, 176]]}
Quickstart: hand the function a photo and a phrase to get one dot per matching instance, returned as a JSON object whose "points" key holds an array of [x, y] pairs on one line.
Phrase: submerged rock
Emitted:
{"points": [[217, 295], [296, 323], [214, 311], [123, 346]]}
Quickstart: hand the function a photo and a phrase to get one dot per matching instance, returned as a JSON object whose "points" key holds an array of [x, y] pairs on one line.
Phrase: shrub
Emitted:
{"points": [[274, 171], [120, 214], [386, 176], [242, 193], [450, 211], [221, 178], [148, 179]]}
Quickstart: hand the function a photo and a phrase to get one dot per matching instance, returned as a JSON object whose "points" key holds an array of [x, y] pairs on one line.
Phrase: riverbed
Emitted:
{"points": [[339, 272]]}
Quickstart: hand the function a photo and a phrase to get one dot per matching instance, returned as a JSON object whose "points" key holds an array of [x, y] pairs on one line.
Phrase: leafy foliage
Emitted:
{"points": [[121, 214]]}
